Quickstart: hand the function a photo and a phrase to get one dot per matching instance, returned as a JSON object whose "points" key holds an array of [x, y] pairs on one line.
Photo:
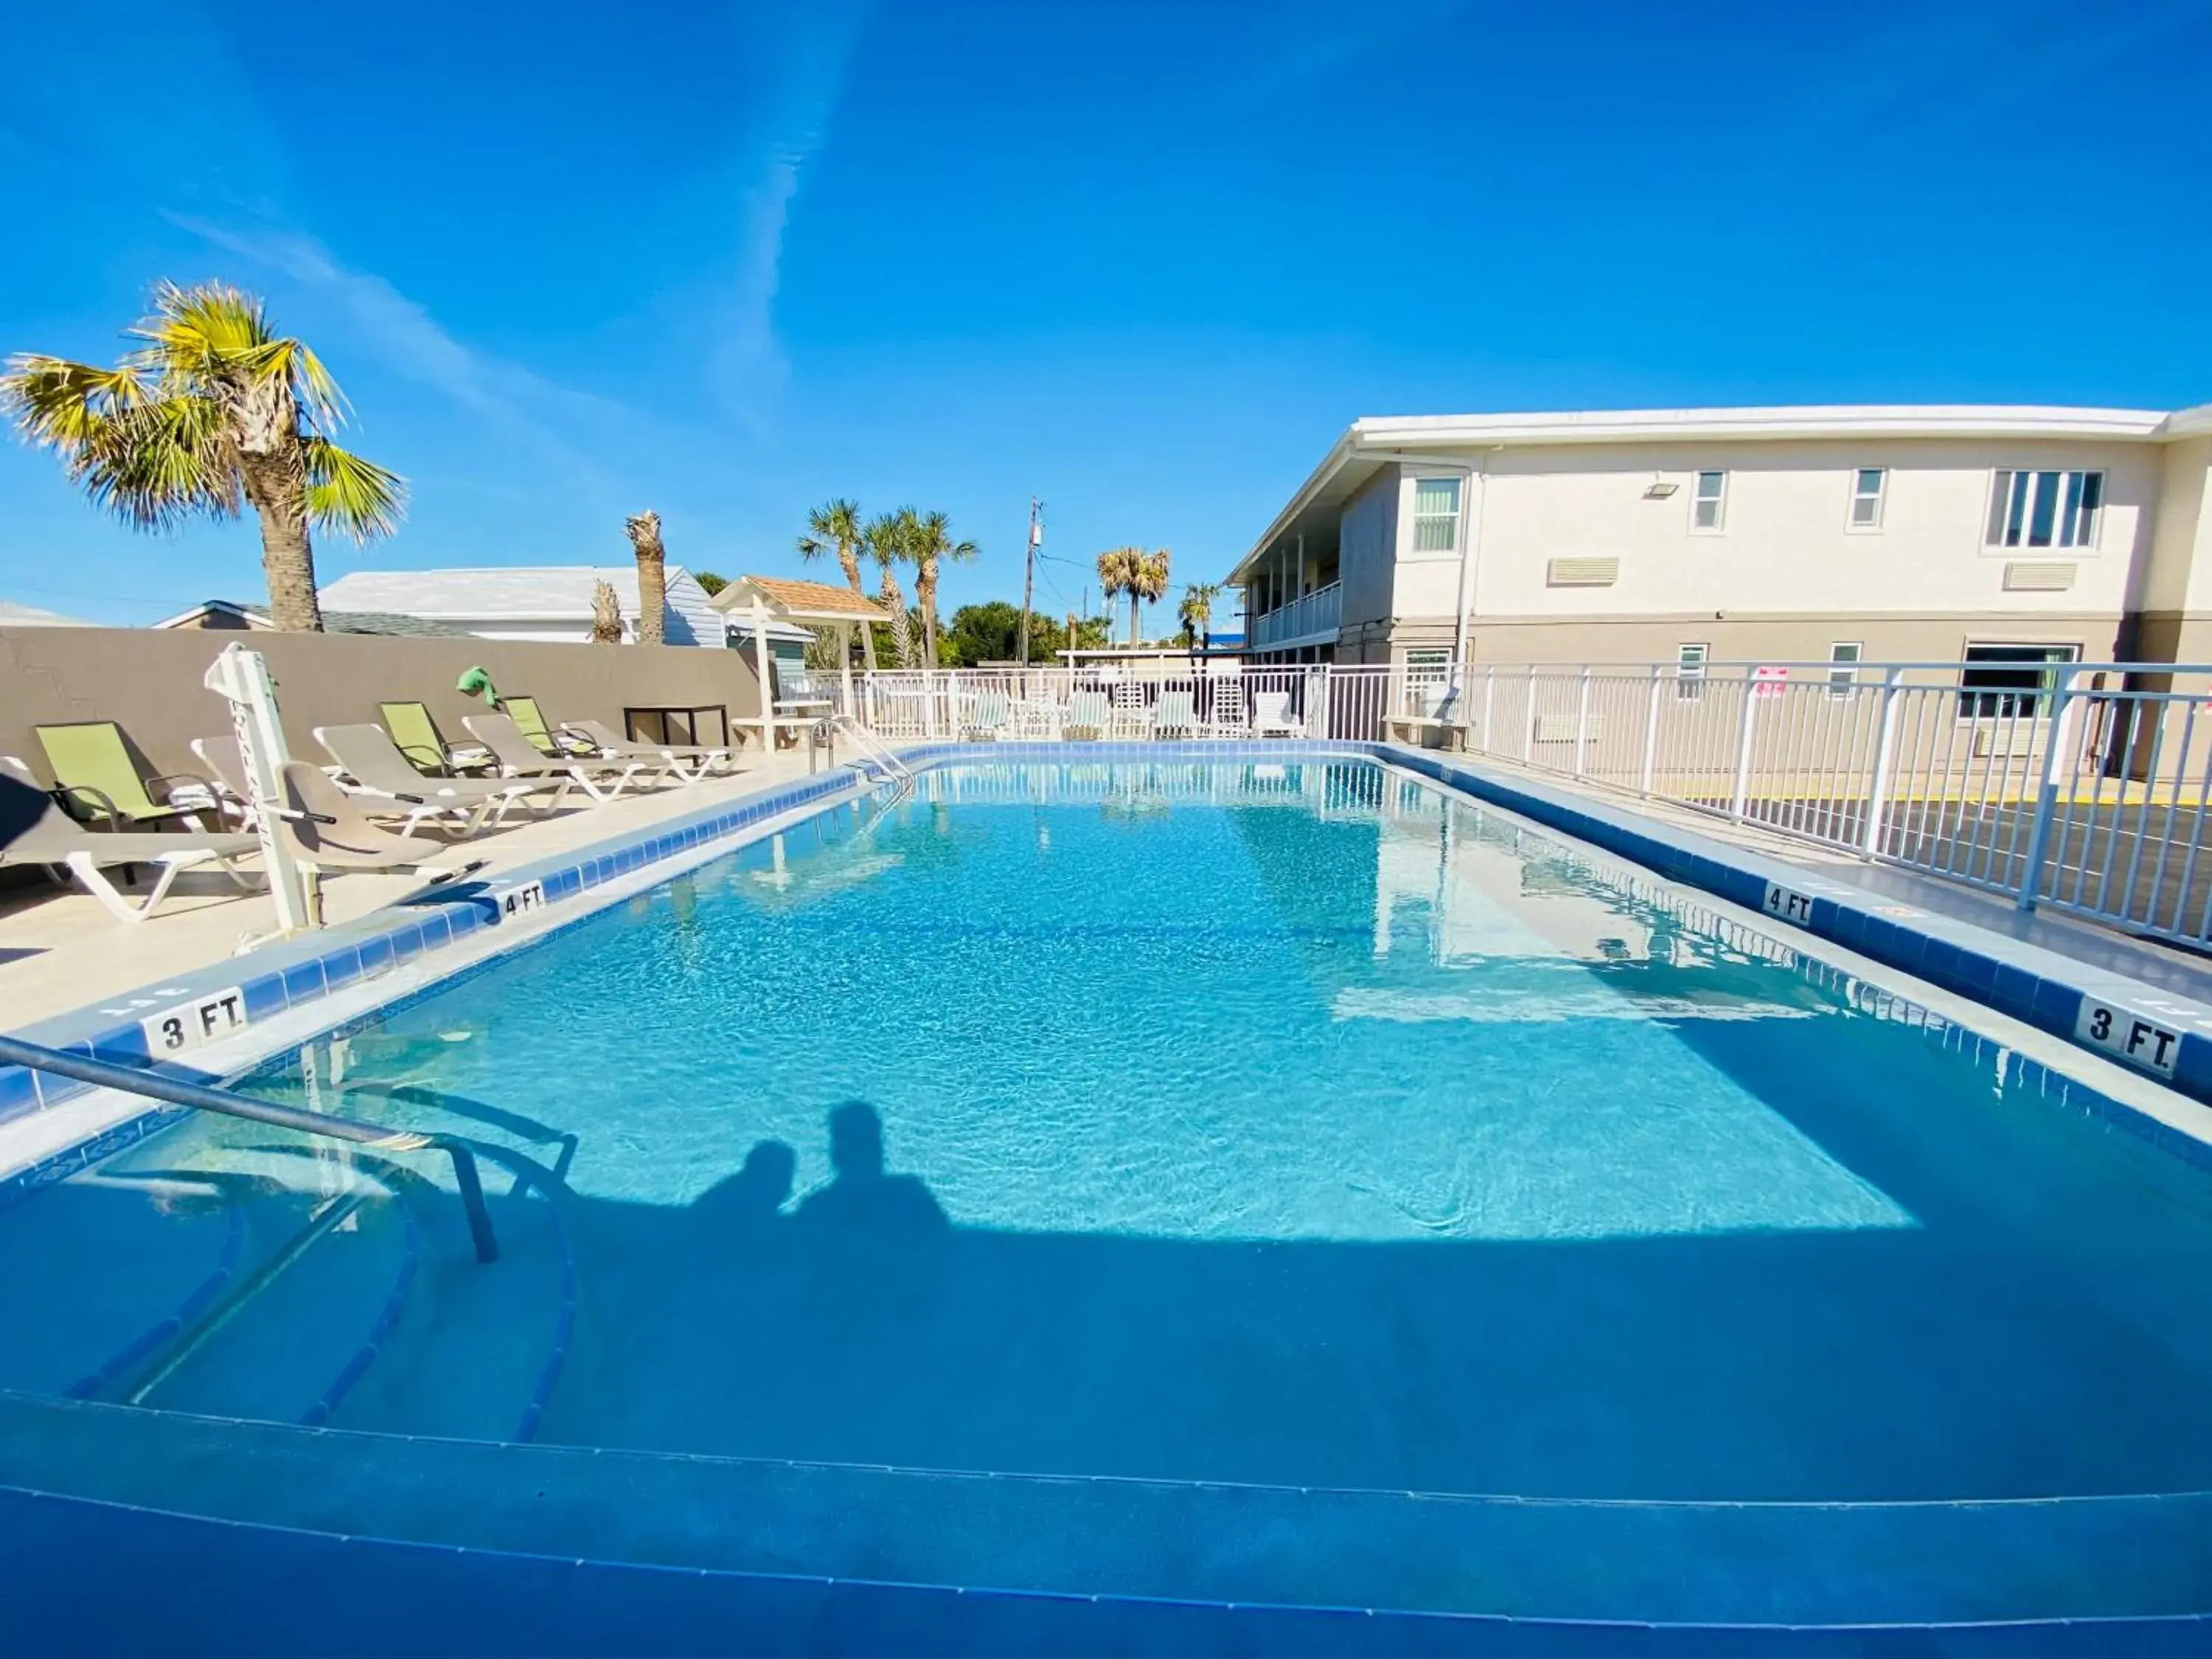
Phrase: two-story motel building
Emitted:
{"points": [[1815, 534]]}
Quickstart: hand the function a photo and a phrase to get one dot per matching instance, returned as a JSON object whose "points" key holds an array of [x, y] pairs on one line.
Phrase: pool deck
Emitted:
{"points": [[59, 950]]}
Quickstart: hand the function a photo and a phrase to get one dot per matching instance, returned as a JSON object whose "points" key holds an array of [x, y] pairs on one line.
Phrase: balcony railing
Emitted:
{"points": [[1301, 619]]}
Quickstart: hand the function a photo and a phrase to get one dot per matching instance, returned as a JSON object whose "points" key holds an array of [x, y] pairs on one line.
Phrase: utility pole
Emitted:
{"points": [[1029, 582]]}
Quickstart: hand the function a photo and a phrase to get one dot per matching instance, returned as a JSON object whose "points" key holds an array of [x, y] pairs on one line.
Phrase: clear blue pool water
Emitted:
{"points": [[1288, 1125]]}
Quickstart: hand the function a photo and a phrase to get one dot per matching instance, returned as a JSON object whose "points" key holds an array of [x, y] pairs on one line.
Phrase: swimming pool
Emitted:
{"points": [[1295, 1128]]}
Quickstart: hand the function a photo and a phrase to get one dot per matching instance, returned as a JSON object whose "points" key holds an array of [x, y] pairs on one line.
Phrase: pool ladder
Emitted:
{"points": [[13, 1051], [873, 750]]}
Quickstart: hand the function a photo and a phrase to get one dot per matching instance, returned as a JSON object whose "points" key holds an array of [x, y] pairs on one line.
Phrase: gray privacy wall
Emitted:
{"points": [[148, 681]]}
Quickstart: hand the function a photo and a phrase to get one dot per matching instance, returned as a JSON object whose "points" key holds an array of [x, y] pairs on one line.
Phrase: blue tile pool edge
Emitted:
{"points": [[305, 971], [2023, 982], [279, 978]]}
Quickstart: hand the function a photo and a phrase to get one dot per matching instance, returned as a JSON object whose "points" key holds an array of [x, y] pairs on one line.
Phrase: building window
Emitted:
{"points": [[1690, 672], [1842, 672], [2045, 509], [1868, 484], [1708, 500], [2006, 682], [1436, 515]]}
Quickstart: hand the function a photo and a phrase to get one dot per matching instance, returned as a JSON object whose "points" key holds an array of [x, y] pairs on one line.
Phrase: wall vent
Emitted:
{"points": [[1582, 572], [2054, 577], [1561, 728]]}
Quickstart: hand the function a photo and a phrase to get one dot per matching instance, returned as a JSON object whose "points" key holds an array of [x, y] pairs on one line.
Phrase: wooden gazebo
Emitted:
{"points": [[764, 600]]}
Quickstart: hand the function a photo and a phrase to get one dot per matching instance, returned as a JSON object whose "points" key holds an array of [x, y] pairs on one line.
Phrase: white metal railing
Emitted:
{"points": [[2081, 786], [1314, 614], [2086, 787]]}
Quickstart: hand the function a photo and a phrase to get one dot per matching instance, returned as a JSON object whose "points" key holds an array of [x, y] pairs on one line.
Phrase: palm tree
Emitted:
{"points": [[835, 527], [644, 529], [888, 537], [1119, 570], [1196, 611], [213, 408], [1150, 585], [931, 542]]}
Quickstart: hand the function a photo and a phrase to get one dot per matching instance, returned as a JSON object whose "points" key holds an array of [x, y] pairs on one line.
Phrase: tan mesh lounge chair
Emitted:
{"points": [[602, 779], [687, 761], [381, 773], [93, 767], [50, 837], [326, 828]]}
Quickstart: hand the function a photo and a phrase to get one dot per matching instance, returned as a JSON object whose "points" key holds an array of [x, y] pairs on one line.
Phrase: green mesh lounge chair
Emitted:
{"points": [[523, 711], [416, 736], [93, 769], [37, 831]]}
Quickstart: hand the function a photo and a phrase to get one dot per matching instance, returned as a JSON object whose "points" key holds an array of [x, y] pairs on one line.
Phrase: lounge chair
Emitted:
{"points": [[1087, 715], [326, 829], [50, 837], [523, 711], [380, 772], [1226, 716], [93, 769], [988, 717], [1174, 712], [690, 762], [416, 735], [226, 771], [601, 780], [1130, 719], [1272, 716]]}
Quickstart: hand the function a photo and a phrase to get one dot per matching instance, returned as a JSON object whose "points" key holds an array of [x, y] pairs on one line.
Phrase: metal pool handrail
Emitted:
{"points": [[13, 1051]]}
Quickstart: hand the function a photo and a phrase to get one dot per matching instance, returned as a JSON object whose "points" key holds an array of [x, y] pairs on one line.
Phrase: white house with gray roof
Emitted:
{"points": [[528, 602]]}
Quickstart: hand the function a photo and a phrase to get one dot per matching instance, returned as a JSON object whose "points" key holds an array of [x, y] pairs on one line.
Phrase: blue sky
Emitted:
{"points": [[1143, 260]]}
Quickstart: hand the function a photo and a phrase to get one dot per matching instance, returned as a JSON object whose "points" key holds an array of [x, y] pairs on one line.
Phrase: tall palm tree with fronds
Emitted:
{"points": [[835, 527], [212, 410], [1195, 613], [1119, 569], [932, 545], [1149, 583], [890, 538]]}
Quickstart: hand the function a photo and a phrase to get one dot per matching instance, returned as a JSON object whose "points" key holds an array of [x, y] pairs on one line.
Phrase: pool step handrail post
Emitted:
{"points": [[130, 1079]]}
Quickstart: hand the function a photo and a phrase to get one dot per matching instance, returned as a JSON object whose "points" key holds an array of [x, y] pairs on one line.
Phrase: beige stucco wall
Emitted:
{"points": [[148, 681], [1785, 546]]}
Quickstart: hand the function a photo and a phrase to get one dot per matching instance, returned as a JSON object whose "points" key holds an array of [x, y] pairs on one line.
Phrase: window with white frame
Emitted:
{"points": [[2045, 509], [1843, 667], [1708, 500], [1869, 485], [1436, 515], [2010, 682], [1690, 672]]}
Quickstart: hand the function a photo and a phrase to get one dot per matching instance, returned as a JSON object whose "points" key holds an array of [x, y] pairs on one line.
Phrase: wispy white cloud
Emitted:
{"points": [[751, 361], [412, 342]]}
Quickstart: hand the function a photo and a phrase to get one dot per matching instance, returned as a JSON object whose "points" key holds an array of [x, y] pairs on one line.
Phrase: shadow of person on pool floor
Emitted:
{"points": [[745, 1208], [862, 1201]]}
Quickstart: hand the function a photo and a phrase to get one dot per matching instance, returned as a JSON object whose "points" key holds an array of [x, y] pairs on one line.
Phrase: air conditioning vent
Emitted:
{"points": [[1561, 728], [1582, 572], [2054, 577], [2002, 738]]}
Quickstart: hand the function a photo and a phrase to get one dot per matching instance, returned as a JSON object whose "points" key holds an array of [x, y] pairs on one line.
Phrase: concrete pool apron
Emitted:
{"points": [[1476, 1557]]}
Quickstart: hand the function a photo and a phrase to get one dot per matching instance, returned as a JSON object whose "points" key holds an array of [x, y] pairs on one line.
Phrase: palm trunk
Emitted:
{"points": [[902, 624], [925, 595], [276, 484], [644, 529], [1133, 619], [851, 563]]}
